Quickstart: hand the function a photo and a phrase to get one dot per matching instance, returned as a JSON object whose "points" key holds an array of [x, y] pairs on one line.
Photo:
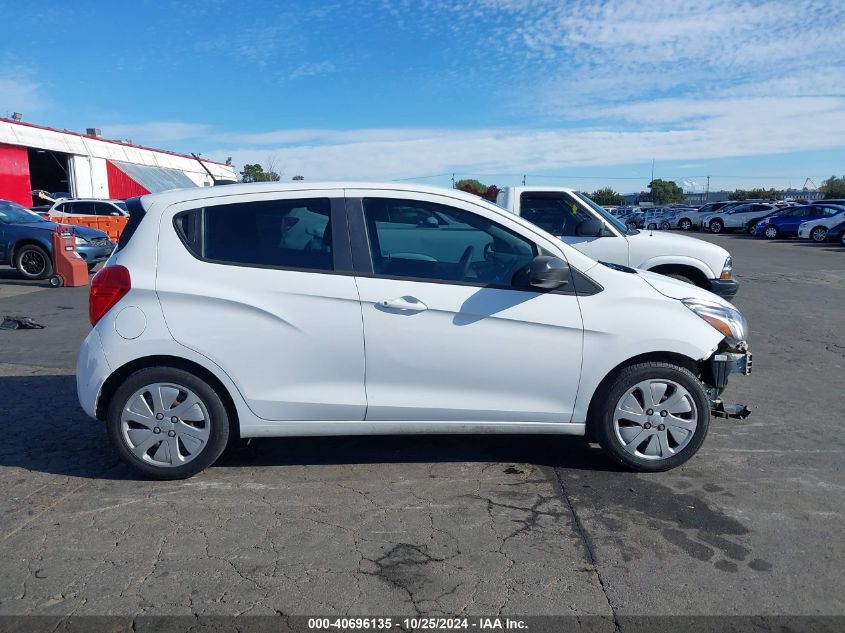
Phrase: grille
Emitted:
{"points": [[100, 241]]}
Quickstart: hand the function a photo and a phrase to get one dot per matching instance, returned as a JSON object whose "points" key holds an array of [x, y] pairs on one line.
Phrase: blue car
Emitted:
{"points": [[837, 234], [26, 242], [786, 223]]}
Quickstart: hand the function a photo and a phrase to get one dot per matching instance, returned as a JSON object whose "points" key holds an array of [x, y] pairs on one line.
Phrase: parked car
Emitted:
{"points": [[787, 223], [837, 234], [484, 324], [25, 242], [584, 225], [662, 218], [734, 218], [81, 207], [691, 219]]}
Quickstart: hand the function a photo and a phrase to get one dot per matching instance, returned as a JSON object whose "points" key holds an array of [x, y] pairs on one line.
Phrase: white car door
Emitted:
{"points": [[448, 337], [560, 214], [261, 285]]}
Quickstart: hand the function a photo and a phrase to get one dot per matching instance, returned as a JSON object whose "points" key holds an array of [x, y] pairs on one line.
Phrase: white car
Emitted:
{"points": [[816, 230], [86, 206], [356, 309], [577, 220], [741, 217]]}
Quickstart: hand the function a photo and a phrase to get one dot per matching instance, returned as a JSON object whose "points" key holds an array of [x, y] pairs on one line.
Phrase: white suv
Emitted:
{"points": [[354, 309]]}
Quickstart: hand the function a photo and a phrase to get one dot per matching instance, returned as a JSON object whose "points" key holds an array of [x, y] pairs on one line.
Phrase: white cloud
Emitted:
{"points": [[20, 94], [156, 132], [312, 70]]}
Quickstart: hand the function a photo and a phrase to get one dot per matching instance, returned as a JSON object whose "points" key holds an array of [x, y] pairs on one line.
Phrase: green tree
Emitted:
{"points": [[472, 186], [607, 196], [665, 191], [757, 193], [833, 187], [256, 173], [298, 178]]}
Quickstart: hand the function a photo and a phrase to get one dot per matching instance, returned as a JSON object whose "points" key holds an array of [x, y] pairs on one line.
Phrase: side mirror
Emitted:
{"points": [[589, 228], [548, 272]]}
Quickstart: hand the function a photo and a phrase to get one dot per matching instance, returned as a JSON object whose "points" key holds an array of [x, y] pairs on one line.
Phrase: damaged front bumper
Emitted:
{"points": [[715, 373]]}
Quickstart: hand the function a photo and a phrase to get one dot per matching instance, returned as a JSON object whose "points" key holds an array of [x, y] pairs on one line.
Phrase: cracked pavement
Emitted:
{"points": [[443, 524]]}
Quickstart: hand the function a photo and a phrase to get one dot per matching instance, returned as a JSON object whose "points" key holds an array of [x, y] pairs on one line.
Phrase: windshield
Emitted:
{"points": [[12, 213], [122, 205], [604, 213]]}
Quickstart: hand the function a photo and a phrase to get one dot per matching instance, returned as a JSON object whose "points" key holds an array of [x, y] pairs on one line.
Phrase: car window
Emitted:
{"points": [[104, 208], [271, 233], [465, 247], [80, 207], [555, 213]]}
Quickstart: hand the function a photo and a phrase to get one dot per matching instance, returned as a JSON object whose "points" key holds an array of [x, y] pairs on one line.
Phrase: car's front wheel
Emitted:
{"points": [[665, 226], [771, 232], [685, 224], [33, 262], [819, 234], [651, 416], [167, 424]]}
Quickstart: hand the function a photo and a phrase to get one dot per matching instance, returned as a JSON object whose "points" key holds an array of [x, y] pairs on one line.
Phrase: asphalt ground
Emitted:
{"points": [[449, 525]]}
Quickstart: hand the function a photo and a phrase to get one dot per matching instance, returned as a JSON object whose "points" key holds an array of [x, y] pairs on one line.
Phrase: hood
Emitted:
{"points": [[648, 244], [677, 289], [82, 231]]}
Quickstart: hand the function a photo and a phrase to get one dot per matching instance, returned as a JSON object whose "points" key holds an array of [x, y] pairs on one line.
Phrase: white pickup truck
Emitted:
{"points": [[586, 226]]}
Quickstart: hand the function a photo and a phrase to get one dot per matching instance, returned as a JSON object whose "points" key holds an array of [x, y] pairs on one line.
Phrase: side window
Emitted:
{"points": [[104, 208], [82, 207], [556, 214], [270, 233], [461, 247]]}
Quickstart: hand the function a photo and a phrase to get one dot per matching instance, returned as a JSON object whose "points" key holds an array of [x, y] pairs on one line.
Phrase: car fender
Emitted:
{"points": [[29, 238], [679, 260]]}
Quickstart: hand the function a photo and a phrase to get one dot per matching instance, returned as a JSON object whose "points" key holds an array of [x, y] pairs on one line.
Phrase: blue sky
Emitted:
{"points": [[579, 93]]}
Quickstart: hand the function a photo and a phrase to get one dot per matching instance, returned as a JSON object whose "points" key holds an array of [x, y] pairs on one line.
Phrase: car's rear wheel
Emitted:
{"points": [[685, 224], [716, 226], [752, 228], [651, 416], [771, 232], [665, 225], [33, 262], [819, 234], [842, 239], [167, 424]]}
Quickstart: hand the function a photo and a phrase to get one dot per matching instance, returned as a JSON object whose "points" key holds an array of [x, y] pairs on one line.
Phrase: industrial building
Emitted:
{"points": [[34, 157]]}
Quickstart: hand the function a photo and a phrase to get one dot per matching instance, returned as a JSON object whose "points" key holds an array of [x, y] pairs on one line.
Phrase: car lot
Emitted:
{"points": [[475, 525]]}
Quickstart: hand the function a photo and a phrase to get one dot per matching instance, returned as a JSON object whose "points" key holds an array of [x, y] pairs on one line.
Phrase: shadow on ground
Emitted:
{"points": [[45, 430]]}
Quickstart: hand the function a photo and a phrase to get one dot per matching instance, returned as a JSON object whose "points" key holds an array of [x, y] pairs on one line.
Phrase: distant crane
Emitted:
{"points": [[810, 180]]}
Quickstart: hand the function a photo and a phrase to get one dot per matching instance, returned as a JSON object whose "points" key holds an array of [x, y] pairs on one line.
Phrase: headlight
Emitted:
{"points": [[729, 321], [727, 269], [80, 241]]}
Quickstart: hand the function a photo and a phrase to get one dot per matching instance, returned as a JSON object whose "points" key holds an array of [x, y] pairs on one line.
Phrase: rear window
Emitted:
{"points": [[269, 234]]}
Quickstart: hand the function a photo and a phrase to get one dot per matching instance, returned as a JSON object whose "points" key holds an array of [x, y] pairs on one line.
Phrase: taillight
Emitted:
{"points": [[107, 288]]}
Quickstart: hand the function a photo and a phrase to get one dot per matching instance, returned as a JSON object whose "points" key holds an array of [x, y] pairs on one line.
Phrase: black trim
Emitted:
{"points": [[359, 238], [136, 214], [725, 288]]}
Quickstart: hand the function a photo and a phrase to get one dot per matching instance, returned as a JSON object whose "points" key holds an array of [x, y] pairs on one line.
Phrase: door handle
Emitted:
{"points": [[408, 304]]}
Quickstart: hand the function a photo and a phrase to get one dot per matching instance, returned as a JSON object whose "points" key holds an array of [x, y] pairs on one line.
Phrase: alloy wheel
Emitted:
{"points": [[33, 263], [771, 232], [655, 419], [819, 234], [165, 424]]}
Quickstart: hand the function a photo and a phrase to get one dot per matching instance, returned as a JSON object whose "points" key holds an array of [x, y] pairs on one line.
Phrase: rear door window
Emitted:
{"points": [[81, 207], [295, 234]]}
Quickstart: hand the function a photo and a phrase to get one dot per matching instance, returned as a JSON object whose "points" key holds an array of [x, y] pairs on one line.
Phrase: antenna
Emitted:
{"points": [[216, 181]]}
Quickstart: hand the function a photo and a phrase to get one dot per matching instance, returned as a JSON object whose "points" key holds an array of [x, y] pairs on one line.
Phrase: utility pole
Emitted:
{"points": [[707, 191], [523, 180], [453, 180], [652, 170]]}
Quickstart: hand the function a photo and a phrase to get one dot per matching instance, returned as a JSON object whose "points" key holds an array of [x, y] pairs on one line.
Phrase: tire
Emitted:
{"points": [[771, 232], [752, 228], [91, 267], [665, 226], [56, 281], [716, 226], [33, 262], [198, 438], [819, 234], [842, 239], [620, 422], [651, 226], [685, 224], [680, 277], [632, 226]]}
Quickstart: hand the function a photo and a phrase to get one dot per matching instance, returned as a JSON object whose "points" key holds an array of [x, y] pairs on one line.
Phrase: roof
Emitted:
{"points": [[201, 193], [104, 140]]}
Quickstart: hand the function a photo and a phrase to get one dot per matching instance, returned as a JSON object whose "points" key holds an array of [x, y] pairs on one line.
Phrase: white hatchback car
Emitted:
{"points": [[354, 309]]}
